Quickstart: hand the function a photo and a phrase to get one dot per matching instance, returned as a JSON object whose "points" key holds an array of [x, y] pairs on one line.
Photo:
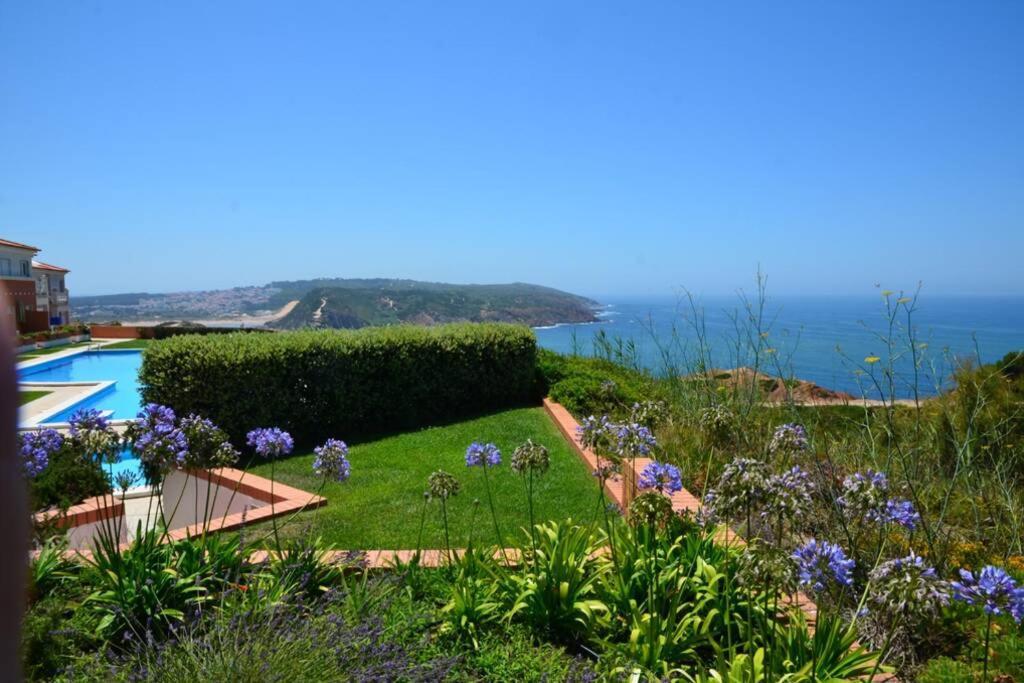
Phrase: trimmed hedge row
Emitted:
{"points": [[343, 383]]}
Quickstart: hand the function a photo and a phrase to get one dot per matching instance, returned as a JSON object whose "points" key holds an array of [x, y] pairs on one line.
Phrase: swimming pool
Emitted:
{"points": [[122, 397], [118, 366]]}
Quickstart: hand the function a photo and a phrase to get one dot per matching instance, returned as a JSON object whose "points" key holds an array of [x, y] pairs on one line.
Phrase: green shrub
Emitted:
{"points": [[591, 386], [67, 480], [946, 670], [321, 384]]}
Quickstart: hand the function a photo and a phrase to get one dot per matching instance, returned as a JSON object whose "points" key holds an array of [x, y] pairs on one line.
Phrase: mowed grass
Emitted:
{"points": [[129, 344], [29, 396], [381, 505]]}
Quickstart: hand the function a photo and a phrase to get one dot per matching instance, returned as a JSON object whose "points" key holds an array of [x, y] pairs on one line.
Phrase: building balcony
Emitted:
{"points": [[42, 301], [58, 297]]}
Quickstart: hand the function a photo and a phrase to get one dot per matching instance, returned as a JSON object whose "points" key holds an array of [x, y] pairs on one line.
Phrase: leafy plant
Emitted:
{"points": [[474, 600], [557, 591], [141, 589], [50, 568]]}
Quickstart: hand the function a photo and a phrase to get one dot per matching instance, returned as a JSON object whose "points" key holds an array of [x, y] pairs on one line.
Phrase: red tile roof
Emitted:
{"points": [[46, 266], [16, 245]]}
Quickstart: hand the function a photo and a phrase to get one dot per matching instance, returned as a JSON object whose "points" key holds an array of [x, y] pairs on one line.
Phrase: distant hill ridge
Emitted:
{"points": [[347, 303]]}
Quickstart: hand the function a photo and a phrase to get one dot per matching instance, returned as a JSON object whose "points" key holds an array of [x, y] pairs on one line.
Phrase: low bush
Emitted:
{"points": [[68, 480], [317, 384], [591, 386]]}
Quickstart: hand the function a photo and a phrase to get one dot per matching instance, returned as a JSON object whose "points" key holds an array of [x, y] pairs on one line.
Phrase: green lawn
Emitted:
{"points": [[29, 396], [381, 504], [35, 353], [129, 344]]}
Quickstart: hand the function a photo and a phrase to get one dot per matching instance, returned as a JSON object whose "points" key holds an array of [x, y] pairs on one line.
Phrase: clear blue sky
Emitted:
{"points": [[606, 148]]}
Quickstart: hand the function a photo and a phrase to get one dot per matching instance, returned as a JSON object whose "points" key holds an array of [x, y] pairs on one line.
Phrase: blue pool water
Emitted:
{"points": [[121, 367]]}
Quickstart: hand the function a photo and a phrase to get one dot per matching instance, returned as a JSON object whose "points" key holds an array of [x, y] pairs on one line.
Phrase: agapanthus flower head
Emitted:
{"points": [[158, 440], [820, 563], [442, 485], [788, 495], [718, 423], [900, 512], [994, 589], [788, 439], [36, 448], [865, 494], [662, 477], [331, 461], [597, 434], [208, 444], [92, 433], [125, 479], [482, 455], [906, 587], [648, 413], [650, 508], [606, 469], [706, 516], [741, 488], [270, 442], [530, 457], [87, 419], [766, 564], [634, 440]]}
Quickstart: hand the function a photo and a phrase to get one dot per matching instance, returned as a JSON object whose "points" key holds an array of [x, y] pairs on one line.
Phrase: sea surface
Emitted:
{"points": [[823, 340]]}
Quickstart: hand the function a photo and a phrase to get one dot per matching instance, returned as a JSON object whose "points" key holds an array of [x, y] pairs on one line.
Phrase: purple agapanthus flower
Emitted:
{"points": [[900, 512], [331, 461], [482, 455], [270, 442], [595, 433], [36, 448], [820, 563], [87, 419], [788, 495], [662, 477], [994, 589], [789, 438], [634, 440], [908, 587], [158, 439], [92, 433]]}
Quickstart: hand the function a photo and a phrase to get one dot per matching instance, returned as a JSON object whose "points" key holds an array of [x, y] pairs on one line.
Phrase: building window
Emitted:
{"points": [[25, 272], [5, 266]]}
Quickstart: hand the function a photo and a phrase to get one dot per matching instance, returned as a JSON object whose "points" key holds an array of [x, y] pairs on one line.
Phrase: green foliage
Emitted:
{"points": [[673, 601], [591, 386], [322, 384], [144, 588], [557, 589], [67, 480], [50, 568], [474, 600], [945, 670], [304, 568]]}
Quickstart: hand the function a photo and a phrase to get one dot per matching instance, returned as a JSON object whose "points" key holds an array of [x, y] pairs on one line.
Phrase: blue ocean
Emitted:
{"points": [[823, 340]]}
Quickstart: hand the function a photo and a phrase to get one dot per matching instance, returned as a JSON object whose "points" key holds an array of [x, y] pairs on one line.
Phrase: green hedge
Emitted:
{"points": [[343, 383]]}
